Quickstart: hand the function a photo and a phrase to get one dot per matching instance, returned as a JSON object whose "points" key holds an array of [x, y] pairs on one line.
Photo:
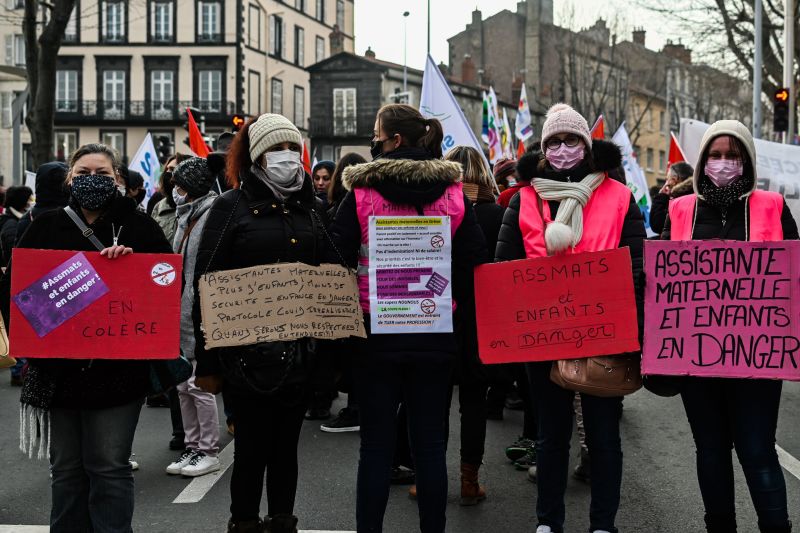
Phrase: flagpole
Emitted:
{"points": [[429, 27]]}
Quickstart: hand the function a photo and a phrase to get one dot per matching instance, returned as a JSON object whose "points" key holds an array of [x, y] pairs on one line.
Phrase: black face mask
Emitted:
{"points": [[140, 196], [376, 148]]}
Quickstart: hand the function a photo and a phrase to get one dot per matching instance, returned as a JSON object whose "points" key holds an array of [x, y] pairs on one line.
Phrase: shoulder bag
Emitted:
{"points": [[604, 376], [163, 374]]}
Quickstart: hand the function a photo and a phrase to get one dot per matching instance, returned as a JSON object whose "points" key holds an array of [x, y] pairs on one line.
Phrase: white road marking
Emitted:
{"points": [[788, 462], [46, 529], [199, 487]]}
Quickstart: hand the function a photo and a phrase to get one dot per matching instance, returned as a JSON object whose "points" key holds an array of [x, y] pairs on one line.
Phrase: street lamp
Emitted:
{"points": [[405, 50]]}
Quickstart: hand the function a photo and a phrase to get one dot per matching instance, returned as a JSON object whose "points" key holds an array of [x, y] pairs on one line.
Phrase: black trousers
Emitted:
{"points": [[267, 433]]}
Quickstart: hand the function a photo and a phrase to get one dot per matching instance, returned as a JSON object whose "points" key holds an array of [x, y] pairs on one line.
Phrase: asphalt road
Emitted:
{"points": [[660, 492]]}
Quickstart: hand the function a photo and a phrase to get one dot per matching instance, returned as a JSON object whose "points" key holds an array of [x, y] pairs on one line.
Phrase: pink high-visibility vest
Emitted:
{"points": [[603, 217], [369, 202], [765, 209]]}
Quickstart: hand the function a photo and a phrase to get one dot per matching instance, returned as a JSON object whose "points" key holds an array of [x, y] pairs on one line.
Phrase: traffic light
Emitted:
{"points": [[780, 110], [237, 121], [163, 147]]}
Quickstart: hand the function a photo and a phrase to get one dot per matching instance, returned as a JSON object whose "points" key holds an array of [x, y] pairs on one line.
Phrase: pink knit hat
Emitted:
{"points": [[561, 118]]}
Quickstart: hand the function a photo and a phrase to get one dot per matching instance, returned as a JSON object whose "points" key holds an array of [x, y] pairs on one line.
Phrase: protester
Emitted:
{"points": [[51, 193], [85, 412], [471, 374], [322, 174], [17, 202], [134, 186], [505, 173], [336, 191], [407, 177], [573, 207], [271, 216], [193, 180], [727, 413], [527, 169], [164, 211], [679, 183]]}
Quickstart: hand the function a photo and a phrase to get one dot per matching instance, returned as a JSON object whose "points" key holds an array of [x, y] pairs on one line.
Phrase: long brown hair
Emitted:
{"points": [[414, 129], [474, 168], [238, 159]]}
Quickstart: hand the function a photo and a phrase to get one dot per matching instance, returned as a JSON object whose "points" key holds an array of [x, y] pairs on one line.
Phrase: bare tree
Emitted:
{"points": [[43, 25]]}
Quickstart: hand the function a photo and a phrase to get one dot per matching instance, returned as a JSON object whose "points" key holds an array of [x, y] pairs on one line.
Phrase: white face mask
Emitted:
{"points": [[283, 167], [177, 198]]}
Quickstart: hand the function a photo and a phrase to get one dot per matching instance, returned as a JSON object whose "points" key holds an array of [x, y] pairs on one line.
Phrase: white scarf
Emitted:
{"points": [[567, 228]]}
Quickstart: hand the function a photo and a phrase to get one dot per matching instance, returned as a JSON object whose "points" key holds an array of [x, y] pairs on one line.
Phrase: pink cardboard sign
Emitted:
{"points": [[722, 309]]}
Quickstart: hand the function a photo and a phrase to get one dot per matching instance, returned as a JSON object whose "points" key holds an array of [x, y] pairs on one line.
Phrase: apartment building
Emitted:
{"points": [[127, 68]]}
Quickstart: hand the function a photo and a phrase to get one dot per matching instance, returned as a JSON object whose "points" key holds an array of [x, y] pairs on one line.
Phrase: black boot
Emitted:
{"points": [[787, 528], [245, 526], [280, 523], [720, 524]]}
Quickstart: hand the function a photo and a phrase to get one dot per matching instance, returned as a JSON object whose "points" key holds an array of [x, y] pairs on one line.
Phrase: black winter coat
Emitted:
{"points": [[606, 157], [99, 383], [262, 231], [709, 223], [411, 177], [8, 236]]}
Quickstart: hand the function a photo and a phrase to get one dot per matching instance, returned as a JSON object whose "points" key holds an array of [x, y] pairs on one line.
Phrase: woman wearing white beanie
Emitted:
{"points": [[574, 207], [270, 216]]}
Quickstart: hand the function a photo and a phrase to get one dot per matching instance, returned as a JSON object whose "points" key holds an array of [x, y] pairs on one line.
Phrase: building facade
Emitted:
{"points": [[128, 68], [350, 89]]}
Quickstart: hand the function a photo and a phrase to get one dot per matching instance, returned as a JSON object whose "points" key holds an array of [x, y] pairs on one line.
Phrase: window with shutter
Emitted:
{"points": [[9, 50], [299, 106], [5, 104], [19, 50], [272, 41], [344, 112], [299, 46], [277, 96], [320, 52]]}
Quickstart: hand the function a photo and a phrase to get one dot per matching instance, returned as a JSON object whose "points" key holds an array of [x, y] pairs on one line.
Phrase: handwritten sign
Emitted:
{"points": [[279, 302], [409, 274], [722, 309], [552, 308], [80, 305]]}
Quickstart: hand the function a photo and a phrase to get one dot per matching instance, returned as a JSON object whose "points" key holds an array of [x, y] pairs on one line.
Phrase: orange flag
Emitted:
{"points": [[196, 142], [306, 159], [599, 129], [520, 149]]}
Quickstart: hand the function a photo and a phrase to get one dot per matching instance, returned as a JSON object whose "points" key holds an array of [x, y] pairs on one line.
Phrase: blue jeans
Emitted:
{"points": [[740, 413], [92, 486], [601, 419], [423, 386]]}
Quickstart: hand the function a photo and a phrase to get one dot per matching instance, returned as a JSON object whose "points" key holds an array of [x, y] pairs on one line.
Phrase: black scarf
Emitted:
{"points": [[723, 197]]}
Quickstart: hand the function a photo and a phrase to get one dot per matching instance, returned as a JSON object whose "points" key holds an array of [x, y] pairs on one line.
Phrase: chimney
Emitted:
{"points": [[444, 70], [369, 54], [639, 35], [477, 17], [337, 41], [469, 72], [678, 51]]}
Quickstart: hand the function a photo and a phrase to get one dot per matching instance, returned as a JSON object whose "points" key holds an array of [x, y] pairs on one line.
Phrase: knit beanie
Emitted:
{"points": [[271, 129], [194, 176], [561, 118], [504, 168]]}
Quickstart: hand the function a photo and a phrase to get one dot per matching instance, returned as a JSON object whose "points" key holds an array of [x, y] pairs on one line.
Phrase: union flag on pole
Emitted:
{"points": [[196, 142], [675, 151], [599, 129]]}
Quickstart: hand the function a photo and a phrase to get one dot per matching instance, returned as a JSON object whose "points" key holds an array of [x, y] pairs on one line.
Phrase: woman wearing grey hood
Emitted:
{"points": [[724, 412], [193, 197]]}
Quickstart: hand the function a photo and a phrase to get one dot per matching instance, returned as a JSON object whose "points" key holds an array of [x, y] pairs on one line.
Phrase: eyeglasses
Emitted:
{"points": [[570, 140]]}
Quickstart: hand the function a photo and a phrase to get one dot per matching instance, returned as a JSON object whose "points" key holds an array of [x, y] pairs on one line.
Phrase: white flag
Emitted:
{"points": [[524, 124], [634, 176], [437, 101], [146, 163]]}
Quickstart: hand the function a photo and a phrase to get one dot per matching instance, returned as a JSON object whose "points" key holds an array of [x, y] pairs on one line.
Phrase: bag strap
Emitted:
{"points": [[315, 215], [86, 230], [224, 231], [188, 232]]}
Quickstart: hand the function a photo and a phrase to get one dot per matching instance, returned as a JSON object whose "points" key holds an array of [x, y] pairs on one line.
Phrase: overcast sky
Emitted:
{"points": [[379, 24]]}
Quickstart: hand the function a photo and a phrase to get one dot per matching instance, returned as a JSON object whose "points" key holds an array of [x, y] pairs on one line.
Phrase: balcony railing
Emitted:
{"points": [[209, 37], [69, 111], [330, 127]]}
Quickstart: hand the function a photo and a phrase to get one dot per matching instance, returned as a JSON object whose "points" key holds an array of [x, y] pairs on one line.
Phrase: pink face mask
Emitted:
{"points": [[564, 157], [723, 172]]}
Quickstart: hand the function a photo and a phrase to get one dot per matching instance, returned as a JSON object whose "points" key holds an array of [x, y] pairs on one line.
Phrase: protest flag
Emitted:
{"points": [[675, 151], [523, 124], [196, 142], [307, 159], [599, 128], [520, 149], [146, 163]]}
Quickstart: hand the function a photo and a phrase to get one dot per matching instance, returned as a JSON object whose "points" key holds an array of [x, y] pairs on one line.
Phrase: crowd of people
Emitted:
{"points": [[253, 203]]}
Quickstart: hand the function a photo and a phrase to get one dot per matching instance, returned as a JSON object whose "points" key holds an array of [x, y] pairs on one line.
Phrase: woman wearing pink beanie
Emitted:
{"points": [[573, 207]]}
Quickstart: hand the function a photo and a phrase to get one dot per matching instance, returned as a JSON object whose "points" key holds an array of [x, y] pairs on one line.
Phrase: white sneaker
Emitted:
{"points": [[200, 465], [544, 529], [176, 467]]}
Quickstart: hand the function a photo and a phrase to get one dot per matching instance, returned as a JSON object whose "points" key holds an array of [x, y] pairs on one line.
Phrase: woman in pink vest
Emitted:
{"points": [[740, 413], [572, 207], [407, 178]]}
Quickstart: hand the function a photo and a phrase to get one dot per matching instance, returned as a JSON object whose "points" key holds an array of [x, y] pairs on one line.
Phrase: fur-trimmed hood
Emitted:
{"points": [[401, 172]]}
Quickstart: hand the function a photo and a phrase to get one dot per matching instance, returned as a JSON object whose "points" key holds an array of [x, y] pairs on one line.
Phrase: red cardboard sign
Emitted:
{"points": [[551, 308], [80, 305]]}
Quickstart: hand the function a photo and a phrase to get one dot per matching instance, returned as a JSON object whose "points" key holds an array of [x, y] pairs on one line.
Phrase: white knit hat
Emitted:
{"points": [[561, 118], [271, 129]]}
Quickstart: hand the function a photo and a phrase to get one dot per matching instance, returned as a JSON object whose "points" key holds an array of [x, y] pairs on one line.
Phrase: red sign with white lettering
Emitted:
{"points": [[80, 305], [550, 308]]}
